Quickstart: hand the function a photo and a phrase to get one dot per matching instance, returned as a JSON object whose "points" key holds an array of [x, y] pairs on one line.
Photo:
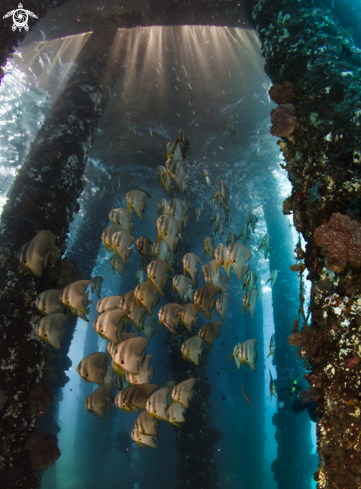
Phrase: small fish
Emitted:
{"points": [[183, 392], [206, 177], [144, 246], [266, 244], [48, 302], [135, 313], [220, 254], [108, 303], [252, 220], [220, 147], [129, 355], [203, 297], [232, 238], [147, 325], [157, 274], [111, 325], [250, 279], [175, 414], [99, 400], [51, 329], [210, 274], [96, 285], [140, 276], [237, 256], [145, 375], [190, 86], [146, 296], [169, 316], [162, 205], [245, 353], [168, 228], [222, 304], [135, 199], [151, 132], [179, 210], [93, 368], [134, 398], [192, 348], [190, 261], [208, 247], [245, 234], [146, 424], [123, 217], [158, 403], [107, 235], [184, 286], [76, 299], [35, 255], [273, 277], [143, 440], [198, 214], [249, 301], [272, 387], [121, 242], [272, 346], [188, 316], [246, 396], [210, 331]]}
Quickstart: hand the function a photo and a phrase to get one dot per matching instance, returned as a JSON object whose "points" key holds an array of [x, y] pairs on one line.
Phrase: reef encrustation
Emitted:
{"points": [[52, 172], [305, 46]]}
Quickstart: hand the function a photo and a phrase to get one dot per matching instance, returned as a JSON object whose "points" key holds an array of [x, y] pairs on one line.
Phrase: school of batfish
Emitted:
{"points": [[126, 366]]}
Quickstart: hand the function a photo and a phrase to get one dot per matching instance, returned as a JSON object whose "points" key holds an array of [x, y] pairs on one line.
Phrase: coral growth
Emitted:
{"points": [[340, 241], [44, 450], [296, 339], [66, 273], [3, 399], [39, 399], [283, 120], [282, 94]]}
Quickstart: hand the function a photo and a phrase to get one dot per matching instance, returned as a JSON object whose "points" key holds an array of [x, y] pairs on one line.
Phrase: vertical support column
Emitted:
{"points": [[318, 121], [44, 196], [289, 425]]}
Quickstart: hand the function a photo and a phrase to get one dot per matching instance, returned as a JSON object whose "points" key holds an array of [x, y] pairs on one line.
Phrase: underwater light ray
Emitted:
{"points": [[61, 54]]}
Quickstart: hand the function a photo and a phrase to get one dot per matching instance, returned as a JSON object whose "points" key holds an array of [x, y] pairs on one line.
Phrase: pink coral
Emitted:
{"points": [[44, 450], [283, 120], [340, 241]]}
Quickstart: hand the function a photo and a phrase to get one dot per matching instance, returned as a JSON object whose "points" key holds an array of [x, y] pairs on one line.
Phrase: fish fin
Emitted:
{"points": [[129, 207], [151, 373], [164, 281], [230, 358], [156, 301], [184, 271], [107, 247], [217, 334], [244, 309], [268, 355]]}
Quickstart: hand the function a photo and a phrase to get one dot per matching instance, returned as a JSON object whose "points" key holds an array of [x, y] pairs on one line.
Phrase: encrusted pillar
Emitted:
{"points": [[195, 438], [289, 425], [44, 196], [318, 121]]}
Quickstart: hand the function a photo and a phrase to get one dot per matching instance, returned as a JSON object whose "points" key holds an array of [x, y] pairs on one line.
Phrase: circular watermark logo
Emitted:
{"points": [[20, 18]]}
